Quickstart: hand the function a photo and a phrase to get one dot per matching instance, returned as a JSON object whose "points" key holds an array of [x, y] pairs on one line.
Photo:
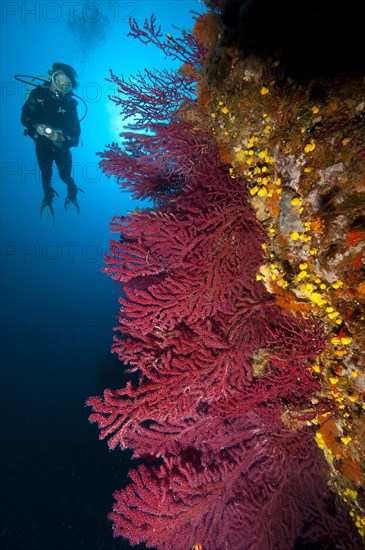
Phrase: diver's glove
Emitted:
{"points": [[47, 201], [71, 198]]}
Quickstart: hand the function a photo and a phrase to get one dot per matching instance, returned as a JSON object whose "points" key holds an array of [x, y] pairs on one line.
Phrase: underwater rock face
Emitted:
{"points": [[237, 296], [299, 137], [312, 39]]}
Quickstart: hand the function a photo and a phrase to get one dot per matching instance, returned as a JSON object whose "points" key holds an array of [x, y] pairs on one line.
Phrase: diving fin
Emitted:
{"points": [[47, 203], [71, 198]]}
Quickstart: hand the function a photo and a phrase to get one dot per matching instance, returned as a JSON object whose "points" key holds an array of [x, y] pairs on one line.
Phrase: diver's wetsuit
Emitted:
{"points": [[59, 112]]}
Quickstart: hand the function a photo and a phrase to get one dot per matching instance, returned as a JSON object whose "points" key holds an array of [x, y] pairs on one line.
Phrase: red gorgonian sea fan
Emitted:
{"points": [[223, 401]]}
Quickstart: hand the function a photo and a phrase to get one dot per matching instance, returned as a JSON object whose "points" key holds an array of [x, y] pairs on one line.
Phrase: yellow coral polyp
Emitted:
{"points": [[310, 147], [318, 299], [240, 155], [294, 236], [252, 141], [254, 190], [296, 201], [225, 110], [264, 90], [320, 441], [308, 288], [346, 440]]}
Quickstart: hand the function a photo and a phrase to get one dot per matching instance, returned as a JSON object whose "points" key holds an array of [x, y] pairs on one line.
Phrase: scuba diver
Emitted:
{"points": [[51, 120]]}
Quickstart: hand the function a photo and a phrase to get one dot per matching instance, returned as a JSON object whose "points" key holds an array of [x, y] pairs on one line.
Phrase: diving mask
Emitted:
{"points": [[61, 82]]}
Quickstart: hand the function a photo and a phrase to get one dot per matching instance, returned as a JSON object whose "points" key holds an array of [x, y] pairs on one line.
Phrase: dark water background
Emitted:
{"points": [[57, 308]]}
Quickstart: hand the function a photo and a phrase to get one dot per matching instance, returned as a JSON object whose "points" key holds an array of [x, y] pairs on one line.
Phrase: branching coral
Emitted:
{"points": [[223, 318]]}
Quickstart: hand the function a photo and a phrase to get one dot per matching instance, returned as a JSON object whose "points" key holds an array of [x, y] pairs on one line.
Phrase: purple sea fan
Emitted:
{"points": [[188, 273], [238, 496], [220, 365]]}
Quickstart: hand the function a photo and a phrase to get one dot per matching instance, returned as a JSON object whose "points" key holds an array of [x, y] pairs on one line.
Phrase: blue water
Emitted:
{"points": [[57, 309]]}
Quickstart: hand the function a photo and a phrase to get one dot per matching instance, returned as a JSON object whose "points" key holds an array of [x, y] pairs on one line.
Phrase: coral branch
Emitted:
{"points": [[185, 49], [152, 96]]}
